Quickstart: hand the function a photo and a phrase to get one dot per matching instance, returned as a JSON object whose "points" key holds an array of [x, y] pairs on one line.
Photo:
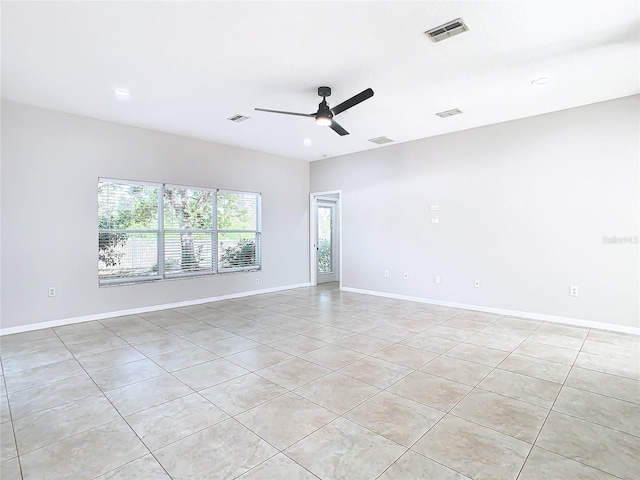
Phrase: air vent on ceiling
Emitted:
{"points": [[380, 140], [449, 113], [238, 118], [449, 29]]}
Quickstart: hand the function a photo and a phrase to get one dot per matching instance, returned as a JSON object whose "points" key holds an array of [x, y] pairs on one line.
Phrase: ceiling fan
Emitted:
{"points": [[324, 115]]}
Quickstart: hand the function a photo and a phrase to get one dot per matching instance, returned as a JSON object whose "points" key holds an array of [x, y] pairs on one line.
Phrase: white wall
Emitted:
{"points": [[51, 162], [523, 208]]}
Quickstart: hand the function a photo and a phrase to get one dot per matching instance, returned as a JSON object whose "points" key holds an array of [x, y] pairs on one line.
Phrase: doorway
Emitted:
{"points": [[325, 238]]}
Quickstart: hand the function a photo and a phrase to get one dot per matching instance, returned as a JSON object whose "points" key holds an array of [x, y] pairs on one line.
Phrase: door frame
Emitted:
{"points": [[330, 203], [313, 222]]}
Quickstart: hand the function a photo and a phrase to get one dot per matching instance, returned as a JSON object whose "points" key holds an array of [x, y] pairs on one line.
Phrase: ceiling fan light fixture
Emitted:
{"points": [[323, 121]]}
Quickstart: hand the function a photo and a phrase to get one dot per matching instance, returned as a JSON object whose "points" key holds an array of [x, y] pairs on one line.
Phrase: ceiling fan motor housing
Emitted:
{"points": [[324, 110], [323, 106]]}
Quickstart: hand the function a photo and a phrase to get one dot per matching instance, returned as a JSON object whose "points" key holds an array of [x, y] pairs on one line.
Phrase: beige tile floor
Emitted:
{"points": [[316, 383]]}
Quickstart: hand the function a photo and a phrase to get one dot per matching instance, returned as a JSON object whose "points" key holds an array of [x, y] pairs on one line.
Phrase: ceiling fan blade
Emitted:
{"points": [[356, 99], [337, 128], [286, 113]]}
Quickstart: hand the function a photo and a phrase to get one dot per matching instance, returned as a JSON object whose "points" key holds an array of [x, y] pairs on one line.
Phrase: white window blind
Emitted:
{"points": [[128, 230], [189, 233], [156, 231]]}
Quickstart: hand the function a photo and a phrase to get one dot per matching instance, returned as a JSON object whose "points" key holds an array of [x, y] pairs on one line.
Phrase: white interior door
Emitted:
{"points": [[327, 245]]}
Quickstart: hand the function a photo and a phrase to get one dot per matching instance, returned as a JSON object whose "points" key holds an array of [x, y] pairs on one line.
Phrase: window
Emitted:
{"points": [[238, 231], [129, 232], [189, 234], [156, 231]]}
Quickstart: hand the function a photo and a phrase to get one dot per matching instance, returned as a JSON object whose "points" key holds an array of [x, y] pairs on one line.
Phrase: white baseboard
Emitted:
{"points": [[501, 311], [134, 311], [152, 308]]}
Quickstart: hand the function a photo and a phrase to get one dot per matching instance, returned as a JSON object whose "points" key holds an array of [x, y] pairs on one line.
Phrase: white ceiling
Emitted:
{"points": [[190, 65]]}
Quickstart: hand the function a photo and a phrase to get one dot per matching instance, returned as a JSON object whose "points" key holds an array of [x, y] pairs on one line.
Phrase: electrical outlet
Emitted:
{"points": [[386, 274], [435, 220], [52, 291], [406, 275], [435, 208], [437, 279], [477, 284], [574, 291]]}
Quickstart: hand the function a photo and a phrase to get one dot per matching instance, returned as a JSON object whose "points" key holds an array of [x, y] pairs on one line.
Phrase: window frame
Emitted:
{"points": [[161, 231], [159, 235]]}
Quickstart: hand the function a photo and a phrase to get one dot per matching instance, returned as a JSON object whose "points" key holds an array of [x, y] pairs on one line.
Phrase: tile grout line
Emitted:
{"points": [[194, 391], [230, 417], [123, 419], [462, 399], [373, 396], [298, 355], [551, 410], [13, 428], [338, 415], [101, 393], [134, 346], [410, 448], [449, 412], [535, 440]]}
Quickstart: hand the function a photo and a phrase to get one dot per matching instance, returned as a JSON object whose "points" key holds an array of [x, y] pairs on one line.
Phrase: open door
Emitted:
{"points": [[325, 237]]}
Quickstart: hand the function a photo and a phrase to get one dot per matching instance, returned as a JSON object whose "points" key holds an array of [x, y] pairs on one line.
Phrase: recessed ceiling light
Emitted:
{"points": [[307, 142], [327, 155], [540, 81], [121, 92]]}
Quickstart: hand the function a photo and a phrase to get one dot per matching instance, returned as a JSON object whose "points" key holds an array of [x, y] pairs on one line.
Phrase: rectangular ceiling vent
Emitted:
{"points": [[238, 118], [380, 140], [448, 30], [449, 113]]}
